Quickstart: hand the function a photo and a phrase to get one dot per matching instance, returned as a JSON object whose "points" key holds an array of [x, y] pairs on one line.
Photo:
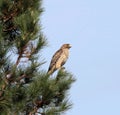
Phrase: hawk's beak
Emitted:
{"points": [[70, 46]]}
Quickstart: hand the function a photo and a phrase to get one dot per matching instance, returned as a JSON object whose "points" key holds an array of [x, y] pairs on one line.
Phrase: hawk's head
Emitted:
{"points": [[66, 46]]}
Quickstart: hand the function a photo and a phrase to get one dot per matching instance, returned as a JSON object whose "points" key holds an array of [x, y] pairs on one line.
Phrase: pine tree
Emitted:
{"points": [[26, 89]]}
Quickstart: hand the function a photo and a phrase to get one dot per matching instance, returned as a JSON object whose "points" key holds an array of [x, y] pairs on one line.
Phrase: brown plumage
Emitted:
{"points": [[59, 58]]}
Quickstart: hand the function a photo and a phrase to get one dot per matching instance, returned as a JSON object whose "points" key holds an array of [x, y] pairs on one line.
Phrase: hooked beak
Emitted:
{"points": [[70, 46]]}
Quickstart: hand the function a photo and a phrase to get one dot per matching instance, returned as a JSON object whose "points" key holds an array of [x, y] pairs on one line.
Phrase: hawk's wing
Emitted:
{"points": [[54, 60]]}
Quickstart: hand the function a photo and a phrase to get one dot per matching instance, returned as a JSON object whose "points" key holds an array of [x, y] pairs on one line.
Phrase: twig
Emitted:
{"points": [[21, 77], [18, 59]]}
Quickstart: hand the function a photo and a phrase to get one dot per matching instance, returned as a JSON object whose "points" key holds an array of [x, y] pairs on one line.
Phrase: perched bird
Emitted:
{"points": [[59, 58]]}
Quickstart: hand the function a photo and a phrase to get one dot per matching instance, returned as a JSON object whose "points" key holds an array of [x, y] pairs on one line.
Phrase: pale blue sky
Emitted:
{"points": [[93, 29]]}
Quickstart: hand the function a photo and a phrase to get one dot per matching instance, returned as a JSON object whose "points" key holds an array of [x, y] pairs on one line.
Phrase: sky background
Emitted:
{"points": [[92, 27]]}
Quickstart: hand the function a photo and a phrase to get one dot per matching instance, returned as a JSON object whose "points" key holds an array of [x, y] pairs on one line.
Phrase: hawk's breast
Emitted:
{"points": [[63, 58]]}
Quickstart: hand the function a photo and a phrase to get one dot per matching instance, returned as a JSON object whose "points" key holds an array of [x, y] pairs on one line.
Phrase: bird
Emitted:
{"points": [[59, 58]]}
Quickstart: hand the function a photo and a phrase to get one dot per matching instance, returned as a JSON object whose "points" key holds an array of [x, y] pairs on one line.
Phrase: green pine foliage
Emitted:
{"points": [[25, 89]]}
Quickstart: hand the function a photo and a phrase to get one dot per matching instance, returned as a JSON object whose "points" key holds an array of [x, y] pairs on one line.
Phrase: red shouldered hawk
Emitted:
{"points": [[59, 58]]}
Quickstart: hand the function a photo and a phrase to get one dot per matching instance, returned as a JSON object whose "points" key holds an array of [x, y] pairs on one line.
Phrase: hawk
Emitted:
{"points": [[59, 58]]}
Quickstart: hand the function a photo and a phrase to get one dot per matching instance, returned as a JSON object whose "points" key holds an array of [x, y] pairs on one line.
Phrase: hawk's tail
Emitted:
{"points": [[51, 71]]}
